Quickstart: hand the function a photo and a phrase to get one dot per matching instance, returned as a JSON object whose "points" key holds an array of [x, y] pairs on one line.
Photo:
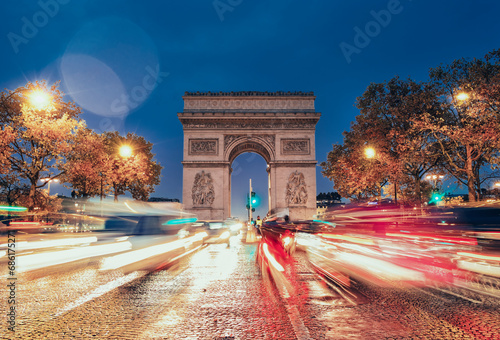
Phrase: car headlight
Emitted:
{"points": [[225, 235], [236, 227]]}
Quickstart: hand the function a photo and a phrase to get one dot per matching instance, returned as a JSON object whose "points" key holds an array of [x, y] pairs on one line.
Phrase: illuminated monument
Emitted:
{"points": [[279, 126]]}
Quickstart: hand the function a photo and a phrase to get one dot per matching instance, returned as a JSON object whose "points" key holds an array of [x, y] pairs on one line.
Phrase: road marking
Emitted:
{"points": [[300, 330], [433, 295], [457, 295], [100, 291]]}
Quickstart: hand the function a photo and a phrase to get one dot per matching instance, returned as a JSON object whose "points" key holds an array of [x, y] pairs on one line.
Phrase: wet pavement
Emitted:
{"points": [[220, 292]]}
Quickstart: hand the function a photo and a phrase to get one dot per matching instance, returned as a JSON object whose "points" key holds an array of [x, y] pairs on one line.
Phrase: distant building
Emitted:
{"points": [[325, 201], [162, 199]]}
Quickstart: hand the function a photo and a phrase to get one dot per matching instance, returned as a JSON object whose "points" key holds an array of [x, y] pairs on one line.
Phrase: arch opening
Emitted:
{"points": [[246, 166], [249, 146]]}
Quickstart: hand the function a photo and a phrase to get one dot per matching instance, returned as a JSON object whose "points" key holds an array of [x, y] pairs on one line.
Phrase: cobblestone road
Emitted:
{"points": [[219, 293]]}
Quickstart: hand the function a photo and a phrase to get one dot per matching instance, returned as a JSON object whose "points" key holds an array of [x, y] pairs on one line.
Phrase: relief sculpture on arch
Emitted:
{"points": [[203, 189]]}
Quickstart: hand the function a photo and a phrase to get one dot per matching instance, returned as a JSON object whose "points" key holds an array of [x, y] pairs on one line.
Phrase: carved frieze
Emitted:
{"points": [[296, 189], [229, 139], [203, 193], [250, 125], [270, 139], [295, 146], [203, 146], [245, 104]]}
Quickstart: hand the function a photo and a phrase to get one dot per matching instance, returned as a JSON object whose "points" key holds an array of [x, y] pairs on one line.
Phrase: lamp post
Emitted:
{"points": [[435, 178], [124, 151], [250, 201], [371, 153], [101, 192], [49, 180]]}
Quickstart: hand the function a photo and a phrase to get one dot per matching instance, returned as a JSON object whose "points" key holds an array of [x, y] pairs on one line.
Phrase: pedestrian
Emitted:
{"points": [[258, 223]]}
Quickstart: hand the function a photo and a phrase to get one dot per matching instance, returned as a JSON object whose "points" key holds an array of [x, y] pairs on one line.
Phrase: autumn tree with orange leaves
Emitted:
{"points": [[37, 130], [450, 123], [95, 166], [42, 136], [136, 173], [403, 154], [466, 127], [86, 163]]}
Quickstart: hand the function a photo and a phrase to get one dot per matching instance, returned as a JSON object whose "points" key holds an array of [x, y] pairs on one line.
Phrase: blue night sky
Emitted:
{"points": [[105, 51]]}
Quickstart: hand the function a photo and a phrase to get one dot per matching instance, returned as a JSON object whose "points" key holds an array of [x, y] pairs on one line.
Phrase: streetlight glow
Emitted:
{"points": [[125, 151], [462, 96], [369, 152], [49, 180], [39, 99], [434, 177]]}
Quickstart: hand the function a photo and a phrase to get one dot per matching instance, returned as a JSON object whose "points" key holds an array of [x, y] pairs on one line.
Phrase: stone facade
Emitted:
{"points": [[279, 126]]}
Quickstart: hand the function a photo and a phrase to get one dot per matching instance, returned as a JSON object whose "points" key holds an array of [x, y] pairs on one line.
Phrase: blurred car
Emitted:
{"points": [[280, 233], [217, 231], [155, 240], [235, 225], [314, 226]]}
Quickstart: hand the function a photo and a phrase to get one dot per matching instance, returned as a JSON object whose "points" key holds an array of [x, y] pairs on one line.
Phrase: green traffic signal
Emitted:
{"points": [[436, 197], [252, 200], [255, 199]]}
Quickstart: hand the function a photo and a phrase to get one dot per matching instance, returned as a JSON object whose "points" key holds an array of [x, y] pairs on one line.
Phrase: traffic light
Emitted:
{"points": [[255, 199], [252, 200], [436, 197]]}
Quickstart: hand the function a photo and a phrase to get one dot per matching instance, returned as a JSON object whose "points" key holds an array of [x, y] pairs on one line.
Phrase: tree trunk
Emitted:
{"points": [[116, 193], [32, 196], [478, 184], [471, 178], [417, 189]]}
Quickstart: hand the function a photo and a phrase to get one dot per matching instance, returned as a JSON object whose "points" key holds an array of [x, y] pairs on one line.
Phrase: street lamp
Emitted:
{"points": [[370, 152], [39, 99], [462, 96], [49, 181], [497, 185], [434, 178], [125, 151]]}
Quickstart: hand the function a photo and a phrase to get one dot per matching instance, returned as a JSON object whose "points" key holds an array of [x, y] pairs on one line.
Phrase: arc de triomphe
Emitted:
{"points": [[218, 127]]}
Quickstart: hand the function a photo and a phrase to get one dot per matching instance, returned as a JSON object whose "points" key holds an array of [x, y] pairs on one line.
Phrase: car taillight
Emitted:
{"points": [[287, 240]]}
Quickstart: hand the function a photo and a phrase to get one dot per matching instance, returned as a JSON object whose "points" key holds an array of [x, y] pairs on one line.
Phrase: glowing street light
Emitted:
{"points": [[435, 178], [497, 185], [40, 100], [462, 96], [49, 181], [370, 152], [125, 151]]}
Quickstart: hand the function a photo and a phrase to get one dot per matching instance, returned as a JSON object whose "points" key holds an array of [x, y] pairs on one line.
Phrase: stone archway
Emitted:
{"points": [[279, 126]]}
